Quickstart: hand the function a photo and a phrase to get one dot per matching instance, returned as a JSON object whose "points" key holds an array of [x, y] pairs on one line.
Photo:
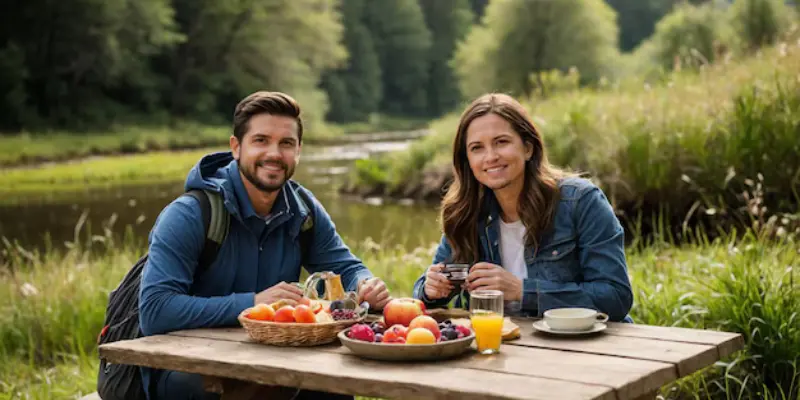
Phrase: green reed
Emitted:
{"points": [[693, 138]]}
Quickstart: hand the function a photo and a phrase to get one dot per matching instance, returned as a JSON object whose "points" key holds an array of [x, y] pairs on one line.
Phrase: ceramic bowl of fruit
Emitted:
{"points": [[308, 323], [422, 340]]}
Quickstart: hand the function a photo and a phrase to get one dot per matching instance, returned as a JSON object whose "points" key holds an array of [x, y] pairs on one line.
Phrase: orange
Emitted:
{"points": [[262, 312], [285, 314], [420, 336], [304, 314]]}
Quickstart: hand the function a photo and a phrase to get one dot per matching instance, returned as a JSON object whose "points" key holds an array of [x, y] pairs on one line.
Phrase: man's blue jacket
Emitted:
{"points": [[259, 252]]}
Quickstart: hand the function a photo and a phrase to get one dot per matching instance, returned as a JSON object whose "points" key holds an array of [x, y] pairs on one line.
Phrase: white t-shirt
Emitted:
{"points": [[512, 248]]}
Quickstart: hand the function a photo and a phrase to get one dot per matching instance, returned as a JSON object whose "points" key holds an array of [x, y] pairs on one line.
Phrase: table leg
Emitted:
{"points": [[233, 389]]}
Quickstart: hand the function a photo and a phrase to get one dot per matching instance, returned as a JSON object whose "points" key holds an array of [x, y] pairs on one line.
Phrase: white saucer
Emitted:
{"points": [[542, 326]]}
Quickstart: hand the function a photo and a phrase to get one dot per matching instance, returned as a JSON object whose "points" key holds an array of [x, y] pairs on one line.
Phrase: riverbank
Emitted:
{"points": [[21, 184], [45, 180], [30, 149], [53, 306], [692, 147]]}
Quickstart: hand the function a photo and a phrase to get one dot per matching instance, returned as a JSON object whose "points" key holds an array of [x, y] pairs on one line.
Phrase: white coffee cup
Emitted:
{"points": [[573, 319]]}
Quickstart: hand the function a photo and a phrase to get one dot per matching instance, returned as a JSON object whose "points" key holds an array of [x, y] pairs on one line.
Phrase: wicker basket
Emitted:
{"points": [[293, 333]]}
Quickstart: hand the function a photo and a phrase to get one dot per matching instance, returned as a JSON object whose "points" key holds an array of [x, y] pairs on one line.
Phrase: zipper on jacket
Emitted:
{"points": [[267, 222], [489, 241]]}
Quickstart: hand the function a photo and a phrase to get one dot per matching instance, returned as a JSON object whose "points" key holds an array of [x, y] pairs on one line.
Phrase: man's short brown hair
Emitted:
{"points": [[262, 102]]}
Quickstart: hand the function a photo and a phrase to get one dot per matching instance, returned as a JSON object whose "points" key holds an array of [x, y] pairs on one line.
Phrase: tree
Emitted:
{"points": [[73, 56], [691, 35], [637, 19], [449, 22], [521, 38], [478, 8], [354, 91], [760, 22], [236, 47], [403, 43]]}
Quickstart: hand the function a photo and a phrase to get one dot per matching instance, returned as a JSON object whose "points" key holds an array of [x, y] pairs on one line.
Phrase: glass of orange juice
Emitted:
{"points": [[486, 315]]}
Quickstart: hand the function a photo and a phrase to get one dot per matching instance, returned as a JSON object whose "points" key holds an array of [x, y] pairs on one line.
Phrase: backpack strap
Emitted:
{"points": [[306, 230], [216, 221]]}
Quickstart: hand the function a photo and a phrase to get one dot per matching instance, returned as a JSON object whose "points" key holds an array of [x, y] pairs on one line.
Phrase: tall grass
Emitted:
{"points": [[693, 140], [151, 168], [52, 305], [30, 148], [36, 147]]}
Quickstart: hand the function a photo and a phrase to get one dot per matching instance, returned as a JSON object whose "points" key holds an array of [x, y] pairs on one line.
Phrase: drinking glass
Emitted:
{"points": [[486, 315]]}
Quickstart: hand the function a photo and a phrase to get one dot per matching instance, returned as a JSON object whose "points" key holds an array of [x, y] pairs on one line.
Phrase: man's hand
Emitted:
{"points": [[280, 291], [437, 286], [374, 292], [486, 276]]}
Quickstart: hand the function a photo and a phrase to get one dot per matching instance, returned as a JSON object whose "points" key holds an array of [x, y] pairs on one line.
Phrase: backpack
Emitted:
{"points": [[124, 382]]}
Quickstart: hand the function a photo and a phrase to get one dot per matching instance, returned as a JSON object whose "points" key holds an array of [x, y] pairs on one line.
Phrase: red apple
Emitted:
{"points": [[402, 311]]}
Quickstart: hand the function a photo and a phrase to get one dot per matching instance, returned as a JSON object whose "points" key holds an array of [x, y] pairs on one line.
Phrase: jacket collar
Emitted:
{"points": [[287, 202]]}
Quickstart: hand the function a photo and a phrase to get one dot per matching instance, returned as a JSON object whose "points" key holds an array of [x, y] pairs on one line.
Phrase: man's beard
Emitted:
{"points": [[252, 177]]}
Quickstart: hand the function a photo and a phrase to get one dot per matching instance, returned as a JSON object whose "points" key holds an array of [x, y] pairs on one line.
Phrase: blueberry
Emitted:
{"points": [[377, 327], [378, 337], [450, 333]]}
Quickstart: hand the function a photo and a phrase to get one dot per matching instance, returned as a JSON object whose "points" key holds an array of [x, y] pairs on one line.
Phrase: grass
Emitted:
{"points": [[151, 169], [29, 148], [52, 306], [692, 140], [34, 148]]}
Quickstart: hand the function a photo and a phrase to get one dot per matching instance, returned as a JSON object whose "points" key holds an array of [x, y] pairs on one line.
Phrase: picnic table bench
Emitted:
{"points": [[626, 361]]}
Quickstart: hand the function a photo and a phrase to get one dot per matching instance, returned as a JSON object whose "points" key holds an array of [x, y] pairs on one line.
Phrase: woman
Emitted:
{"points": [[545, 238]]}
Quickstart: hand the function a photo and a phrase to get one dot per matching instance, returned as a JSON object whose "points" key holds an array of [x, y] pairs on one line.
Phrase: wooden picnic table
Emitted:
{"points": [[626, 361]]}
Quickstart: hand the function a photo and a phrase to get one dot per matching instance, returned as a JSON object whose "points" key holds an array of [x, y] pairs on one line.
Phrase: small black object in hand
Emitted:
{"points": [[456, 273]]}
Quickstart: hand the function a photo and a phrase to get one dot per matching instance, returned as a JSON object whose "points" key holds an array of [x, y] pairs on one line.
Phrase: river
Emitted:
{"points": [[34, 223]]}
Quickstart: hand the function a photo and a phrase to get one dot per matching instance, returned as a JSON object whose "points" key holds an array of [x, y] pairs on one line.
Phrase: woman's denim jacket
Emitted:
{"points": [[580, 262]]}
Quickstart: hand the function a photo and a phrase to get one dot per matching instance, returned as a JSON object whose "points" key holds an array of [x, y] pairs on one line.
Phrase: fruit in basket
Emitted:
{"points": [[420, 336], [285, 314], [316, 307], [361, 332], [323, 317], [342, 315], [402, 311], [280, 303], [427, 322], [262, 312], [303, 314], [337, 305], [394, 334]]}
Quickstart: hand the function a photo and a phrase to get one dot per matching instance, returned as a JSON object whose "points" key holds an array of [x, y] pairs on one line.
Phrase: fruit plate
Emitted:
{"points": [[406, 352]]}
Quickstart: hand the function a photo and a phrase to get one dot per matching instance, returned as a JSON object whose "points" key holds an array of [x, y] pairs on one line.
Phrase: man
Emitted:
{"points": [[261, 255]]}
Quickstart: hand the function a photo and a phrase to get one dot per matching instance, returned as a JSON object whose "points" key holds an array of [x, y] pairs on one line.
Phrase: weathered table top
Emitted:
{"points": [[626, 361]]}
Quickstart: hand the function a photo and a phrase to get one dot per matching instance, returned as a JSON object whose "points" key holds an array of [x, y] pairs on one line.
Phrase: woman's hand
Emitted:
{"points": [[486, 276], [437, 286]]}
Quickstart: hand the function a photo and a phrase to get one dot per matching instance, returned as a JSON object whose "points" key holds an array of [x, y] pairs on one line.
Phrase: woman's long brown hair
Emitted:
{"points": [[461, 205]]}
